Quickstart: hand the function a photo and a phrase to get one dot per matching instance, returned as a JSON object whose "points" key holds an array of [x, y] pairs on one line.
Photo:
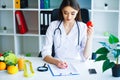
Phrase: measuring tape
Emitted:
{"points": [[26, 74]]}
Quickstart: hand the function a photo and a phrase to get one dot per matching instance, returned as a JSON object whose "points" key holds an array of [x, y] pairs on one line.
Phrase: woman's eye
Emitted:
{"points": [[72, 13], [65, 13]]}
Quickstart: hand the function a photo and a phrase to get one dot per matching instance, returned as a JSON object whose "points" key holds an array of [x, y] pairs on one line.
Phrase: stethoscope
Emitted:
{"points": [[58, 28]]}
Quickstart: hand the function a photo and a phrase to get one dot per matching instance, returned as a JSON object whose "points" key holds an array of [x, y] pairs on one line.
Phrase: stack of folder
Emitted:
{"points": [[21, 3]]}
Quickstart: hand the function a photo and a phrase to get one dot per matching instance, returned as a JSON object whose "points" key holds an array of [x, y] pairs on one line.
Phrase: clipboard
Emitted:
{"points": [[55, 71]]}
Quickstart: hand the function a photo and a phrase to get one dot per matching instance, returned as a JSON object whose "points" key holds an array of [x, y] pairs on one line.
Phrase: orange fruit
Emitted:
{"points": [[2, 66], [21, 63], [12, 69]]}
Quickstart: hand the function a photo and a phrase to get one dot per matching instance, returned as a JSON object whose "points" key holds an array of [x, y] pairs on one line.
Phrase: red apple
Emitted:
{"points": [[89, 24]]}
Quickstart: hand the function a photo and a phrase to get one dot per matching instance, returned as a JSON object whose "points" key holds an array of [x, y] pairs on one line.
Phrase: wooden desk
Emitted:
{"points": [[83, 67]]}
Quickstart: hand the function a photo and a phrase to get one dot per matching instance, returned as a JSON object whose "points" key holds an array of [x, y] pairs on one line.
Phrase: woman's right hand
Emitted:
{"points": [[62, 64], [59, 63]]}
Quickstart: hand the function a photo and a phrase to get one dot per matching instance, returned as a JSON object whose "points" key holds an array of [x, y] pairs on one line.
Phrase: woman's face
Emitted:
{"points": [[69, 14]]}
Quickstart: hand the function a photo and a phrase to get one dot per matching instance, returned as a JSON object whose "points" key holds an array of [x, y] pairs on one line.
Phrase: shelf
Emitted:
{"points": [[33, 4], [105, 19], [6, 32], [27, 44], [28, 9], [31, 19], [29, 33], [6, 20], [46, 9], [104, 11], [9, 4], [54, 5], [106, 22], [111, 4], [85, 4], [7, 43], [6, 9]]}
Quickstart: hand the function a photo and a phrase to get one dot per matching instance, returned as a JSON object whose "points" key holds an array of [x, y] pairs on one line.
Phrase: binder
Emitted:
{"points": [[45, 20], [17, 4], [46, 4], [23, 3], [42, 4], [21, 23]]}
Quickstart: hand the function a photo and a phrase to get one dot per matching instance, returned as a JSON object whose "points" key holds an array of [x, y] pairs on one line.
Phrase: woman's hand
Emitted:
{"points": [[90, 32], [89, 29], [62, 64]]}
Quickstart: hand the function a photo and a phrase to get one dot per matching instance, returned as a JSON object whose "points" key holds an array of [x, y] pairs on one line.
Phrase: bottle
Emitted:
{"points": [[21, 63]]}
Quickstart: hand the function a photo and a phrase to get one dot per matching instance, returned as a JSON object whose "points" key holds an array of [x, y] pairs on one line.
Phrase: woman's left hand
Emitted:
{"points": [[90, 32]]}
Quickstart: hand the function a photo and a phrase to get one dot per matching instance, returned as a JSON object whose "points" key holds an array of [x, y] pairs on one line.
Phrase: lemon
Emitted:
{"points": [[12, 69]]}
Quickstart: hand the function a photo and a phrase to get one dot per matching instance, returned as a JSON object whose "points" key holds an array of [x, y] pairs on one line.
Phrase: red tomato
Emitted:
{"points": [[89, 24]]}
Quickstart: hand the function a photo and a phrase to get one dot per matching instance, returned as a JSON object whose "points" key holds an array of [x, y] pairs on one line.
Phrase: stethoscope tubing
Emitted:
{"points": [[58, 28]]}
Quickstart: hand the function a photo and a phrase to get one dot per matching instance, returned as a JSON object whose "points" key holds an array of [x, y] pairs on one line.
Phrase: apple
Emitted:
{"points": [[89, 24]]}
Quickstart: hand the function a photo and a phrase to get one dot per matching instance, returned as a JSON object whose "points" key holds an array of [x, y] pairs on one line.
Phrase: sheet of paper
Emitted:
{"points": [[55, 71]]}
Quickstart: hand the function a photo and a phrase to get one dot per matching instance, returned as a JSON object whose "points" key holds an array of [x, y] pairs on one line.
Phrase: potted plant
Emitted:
{"points": [[109, 53]]}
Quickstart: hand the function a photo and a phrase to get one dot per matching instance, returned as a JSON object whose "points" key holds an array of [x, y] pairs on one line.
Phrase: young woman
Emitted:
{"points": [[70, 36]]}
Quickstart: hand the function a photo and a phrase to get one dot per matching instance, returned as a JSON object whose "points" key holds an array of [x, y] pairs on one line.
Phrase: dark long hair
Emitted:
{"points": [[72, 3]]}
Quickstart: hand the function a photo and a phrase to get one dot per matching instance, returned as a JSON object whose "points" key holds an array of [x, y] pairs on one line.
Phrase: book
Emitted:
{"points": [[70, 70]]}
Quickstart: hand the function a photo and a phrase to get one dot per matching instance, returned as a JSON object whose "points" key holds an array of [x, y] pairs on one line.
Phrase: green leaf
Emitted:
{"points": [[113, 39], [107, 65], [102, 50], [118, 53], [6, 54], [101, 57]]}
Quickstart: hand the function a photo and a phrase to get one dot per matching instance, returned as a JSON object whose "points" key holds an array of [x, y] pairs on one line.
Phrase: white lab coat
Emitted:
{"points": [[66, 46]]}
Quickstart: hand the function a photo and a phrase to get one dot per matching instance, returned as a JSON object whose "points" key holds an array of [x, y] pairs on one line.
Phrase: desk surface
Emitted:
{"points": [[83, 67]]}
